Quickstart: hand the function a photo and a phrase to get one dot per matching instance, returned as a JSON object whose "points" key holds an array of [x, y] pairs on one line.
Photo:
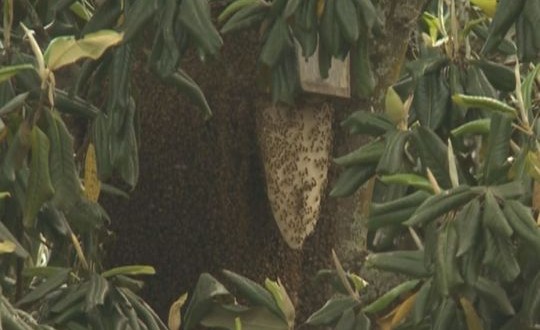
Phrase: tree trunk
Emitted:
{"points": [[201, 205]]}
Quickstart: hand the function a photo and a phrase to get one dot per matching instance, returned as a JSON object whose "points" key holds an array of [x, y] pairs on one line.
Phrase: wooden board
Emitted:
{"points": [[338, 82]]}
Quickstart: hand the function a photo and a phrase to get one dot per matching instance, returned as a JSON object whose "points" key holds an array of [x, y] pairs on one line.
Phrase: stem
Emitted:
{"points": [[416, 239], [8, 23], [454, 29], [77, 246], [519, 95], [78, 249]]}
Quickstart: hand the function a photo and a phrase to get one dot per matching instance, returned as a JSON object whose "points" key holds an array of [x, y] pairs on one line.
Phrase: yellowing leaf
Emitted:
{"points": [[488, 6], [403, 310], [4, 195], [473, 320], [7, 247], [175, 317], [393, 319], [66, 50], [385, 322], [92, 186]]}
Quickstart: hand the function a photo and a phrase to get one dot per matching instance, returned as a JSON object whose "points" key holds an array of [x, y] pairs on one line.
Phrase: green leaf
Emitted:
{"points": [[527, 87], [440, 204], [422, 303], [500, 255], [447, 275], [202, 300], [425, 65], [352, 179], [331, 311], [392, 158], [478, 126], [129, 270], [40, 188], [494, 295], [431, 100], [64, 176], [81, 11], [525, 227], [433, 154], [86, 216], [46, 272], [496, 159], [194, 15], [362, 322], [276, 43], [478, 84], [505, 15], [74, 105], [445, 315], [365, 122], [394, 107], [468, 226], [368, 153], [9, 71], [245, 17], [395, 211], [408, 179], [66, 50], [530, 309], [18, 151], [385, 300], [4, 195], [347, 320], [500, 76], [137, 17], [408, 262], [97, 292], [254, 293], [282, 300], [6, 235], [72, 296], [14, 104], [253, 318], [290, 9], [235, 6], [494, 217], [485, 103], [509, 190], [187, 85], [49, 285]]}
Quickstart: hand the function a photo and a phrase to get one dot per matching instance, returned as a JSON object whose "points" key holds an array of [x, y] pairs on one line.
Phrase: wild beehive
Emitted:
{"points": [[295, 145]]}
